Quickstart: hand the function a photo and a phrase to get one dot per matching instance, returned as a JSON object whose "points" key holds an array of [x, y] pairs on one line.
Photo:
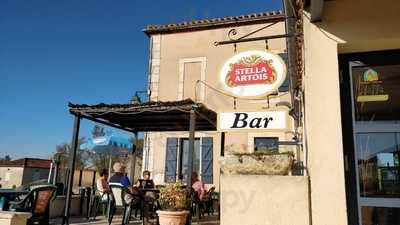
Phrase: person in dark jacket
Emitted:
{"points": [[146, 182], [120, 177]]}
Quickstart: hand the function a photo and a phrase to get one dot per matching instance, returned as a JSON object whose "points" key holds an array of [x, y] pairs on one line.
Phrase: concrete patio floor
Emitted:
{"points": [[100, 220]]}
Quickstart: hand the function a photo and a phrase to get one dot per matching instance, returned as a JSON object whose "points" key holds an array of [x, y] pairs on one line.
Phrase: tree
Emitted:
{"points": [[140, 144], [62, 155], [102, 161], [6, 158], [98, 131]]}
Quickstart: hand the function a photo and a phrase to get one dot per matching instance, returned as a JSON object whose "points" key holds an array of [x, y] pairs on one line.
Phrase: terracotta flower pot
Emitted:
{"points": [[172, 217]]}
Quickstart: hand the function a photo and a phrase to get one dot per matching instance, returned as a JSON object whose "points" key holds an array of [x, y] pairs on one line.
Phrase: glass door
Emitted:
{"points": [[376, 123], [184, 158]]}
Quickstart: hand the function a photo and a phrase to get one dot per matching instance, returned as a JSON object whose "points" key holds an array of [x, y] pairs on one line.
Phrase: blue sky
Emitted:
{"points": [[83, 51]]}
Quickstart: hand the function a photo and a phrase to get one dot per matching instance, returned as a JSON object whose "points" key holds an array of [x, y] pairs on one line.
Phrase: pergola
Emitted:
{"points": [[185, 115]]}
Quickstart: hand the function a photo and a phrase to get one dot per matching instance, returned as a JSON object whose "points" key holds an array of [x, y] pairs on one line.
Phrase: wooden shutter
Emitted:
{"points": [[207, 160], [170, 160]]}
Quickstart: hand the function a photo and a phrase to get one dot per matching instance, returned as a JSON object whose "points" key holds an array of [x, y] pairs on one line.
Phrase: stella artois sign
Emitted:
{"points": [[253, 74]]}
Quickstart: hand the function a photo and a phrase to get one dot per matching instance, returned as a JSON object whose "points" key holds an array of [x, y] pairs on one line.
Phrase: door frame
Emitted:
{"points": [[350, 128]]}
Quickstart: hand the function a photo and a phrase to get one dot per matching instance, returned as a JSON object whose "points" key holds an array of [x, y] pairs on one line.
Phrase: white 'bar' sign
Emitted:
{"points": [[268, 120]]}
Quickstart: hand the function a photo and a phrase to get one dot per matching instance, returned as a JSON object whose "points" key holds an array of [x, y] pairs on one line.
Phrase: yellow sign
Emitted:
{"points": [[370, 89]]}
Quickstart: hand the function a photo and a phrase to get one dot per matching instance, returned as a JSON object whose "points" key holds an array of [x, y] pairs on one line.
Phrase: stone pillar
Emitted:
{"points": [[323, 126]]}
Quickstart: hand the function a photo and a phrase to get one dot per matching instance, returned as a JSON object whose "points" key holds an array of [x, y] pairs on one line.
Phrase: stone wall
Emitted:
{"points": [[58, 204]]}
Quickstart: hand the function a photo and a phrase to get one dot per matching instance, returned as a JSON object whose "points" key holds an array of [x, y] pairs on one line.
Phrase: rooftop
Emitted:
{"points": [[229, 21], [27, 162]]}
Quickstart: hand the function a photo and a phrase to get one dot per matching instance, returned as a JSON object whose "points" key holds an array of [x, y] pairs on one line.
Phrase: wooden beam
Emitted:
{"points": [[106, 123], [205, 117], [149, 118], [157, 129]]}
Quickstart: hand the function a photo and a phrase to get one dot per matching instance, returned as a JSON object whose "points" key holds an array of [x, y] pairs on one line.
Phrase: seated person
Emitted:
{"points": [[198, 186], [102, 184], [146, 182], [120, 177]]}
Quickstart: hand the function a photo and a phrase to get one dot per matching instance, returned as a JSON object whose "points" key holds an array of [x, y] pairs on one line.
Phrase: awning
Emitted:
{"points": [[185, 115], [149, 116]]}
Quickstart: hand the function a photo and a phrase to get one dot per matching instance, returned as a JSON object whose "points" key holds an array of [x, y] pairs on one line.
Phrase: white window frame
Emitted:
{"points": [[181, 85], [251, 136], [265, 136]]}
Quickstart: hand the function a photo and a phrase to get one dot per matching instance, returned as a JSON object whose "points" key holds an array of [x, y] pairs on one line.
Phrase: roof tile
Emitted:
{"points": [[214, 22]]}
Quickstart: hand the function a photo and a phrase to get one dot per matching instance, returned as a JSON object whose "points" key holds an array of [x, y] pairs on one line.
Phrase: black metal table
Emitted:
{"points": [[144, 191]]}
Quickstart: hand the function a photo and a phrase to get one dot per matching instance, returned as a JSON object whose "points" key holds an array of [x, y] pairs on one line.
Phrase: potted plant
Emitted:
{"points": [[173, 203]]}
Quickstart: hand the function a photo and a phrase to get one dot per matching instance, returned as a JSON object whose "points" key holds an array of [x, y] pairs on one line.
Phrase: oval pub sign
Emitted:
{"points": [[253, 74]]}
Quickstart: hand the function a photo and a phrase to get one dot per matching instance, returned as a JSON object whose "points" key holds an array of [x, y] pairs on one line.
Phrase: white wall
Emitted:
{"points": [[11, 176], [323, 127], [264, 200]]}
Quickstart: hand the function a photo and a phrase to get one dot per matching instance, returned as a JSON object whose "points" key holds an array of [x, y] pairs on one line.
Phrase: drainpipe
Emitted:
{"points": [[290, 27], [146, 139], [149, 81], [297, 101]]}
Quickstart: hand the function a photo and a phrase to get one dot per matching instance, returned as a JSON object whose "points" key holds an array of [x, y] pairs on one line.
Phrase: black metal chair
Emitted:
{"points": [[119, 199], [36, 202], [196, 207], [96, 199], [201, 206], [208, 201]]}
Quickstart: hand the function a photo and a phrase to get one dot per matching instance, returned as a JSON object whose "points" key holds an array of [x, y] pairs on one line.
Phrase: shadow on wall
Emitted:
{"points": [[370, 25]]}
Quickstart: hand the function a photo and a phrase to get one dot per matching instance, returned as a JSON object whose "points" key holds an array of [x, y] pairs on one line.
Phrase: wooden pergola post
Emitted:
{"points": [[72, 158], [56, 168], [192, 128]]}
